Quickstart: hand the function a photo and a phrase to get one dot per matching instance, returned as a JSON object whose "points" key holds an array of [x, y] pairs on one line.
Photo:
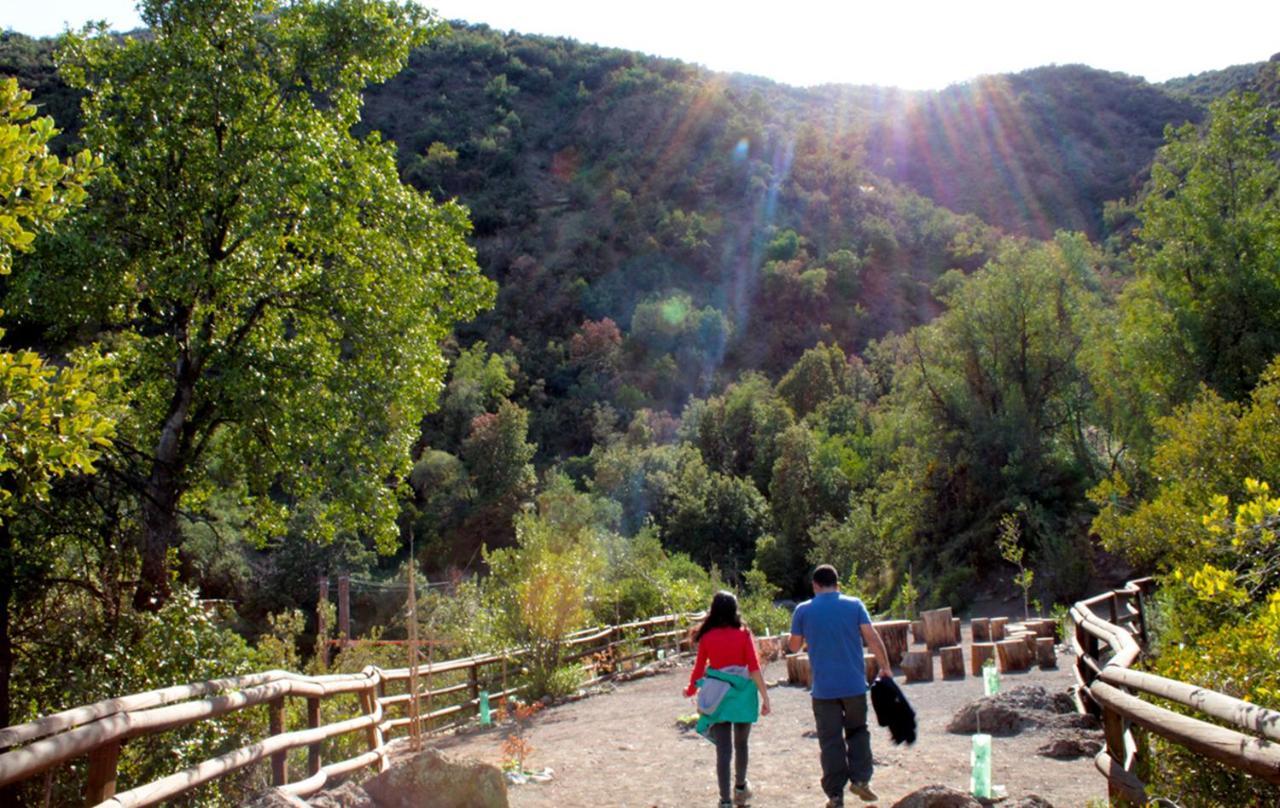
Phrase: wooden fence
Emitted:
{"points": [[1110, 633], [97, 731]]}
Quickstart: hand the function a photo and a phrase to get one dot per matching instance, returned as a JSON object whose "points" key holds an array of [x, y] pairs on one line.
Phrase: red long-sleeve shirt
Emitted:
{"points": [[721, 647]]}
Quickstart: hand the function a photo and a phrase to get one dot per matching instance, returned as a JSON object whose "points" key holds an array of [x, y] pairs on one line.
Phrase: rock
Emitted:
{"points": [[348, 795], [1011, 711], [272, 798], [1067, 747], [937, 797], [431, 778]]}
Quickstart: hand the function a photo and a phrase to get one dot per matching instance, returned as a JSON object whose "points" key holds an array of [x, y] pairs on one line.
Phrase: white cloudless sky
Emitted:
{"points": [[914, 44]]}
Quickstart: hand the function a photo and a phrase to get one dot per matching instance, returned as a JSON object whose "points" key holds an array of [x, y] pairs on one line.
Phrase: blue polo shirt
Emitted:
{"points": [[831, 624]]}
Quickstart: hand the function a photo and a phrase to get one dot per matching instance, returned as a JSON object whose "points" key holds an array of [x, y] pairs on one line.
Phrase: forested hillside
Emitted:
{"points": [[726, 329]]}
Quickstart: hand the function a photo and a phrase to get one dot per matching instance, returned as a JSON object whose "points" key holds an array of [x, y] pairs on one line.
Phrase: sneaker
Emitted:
{"points": [[742, 793], [835, 802], [863, 792], [724, 804]]}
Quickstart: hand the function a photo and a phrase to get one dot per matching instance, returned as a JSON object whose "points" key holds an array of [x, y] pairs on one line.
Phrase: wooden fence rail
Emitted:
{"points": [[97, 731], [1106, 646]]}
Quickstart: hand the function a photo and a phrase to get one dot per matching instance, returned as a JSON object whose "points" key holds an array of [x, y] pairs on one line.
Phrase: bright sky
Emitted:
{"points": [[914, 44]]}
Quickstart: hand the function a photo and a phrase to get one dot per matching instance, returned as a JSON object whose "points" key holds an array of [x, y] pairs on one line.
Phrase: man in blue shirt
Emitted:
{"points": [[835, 627]]}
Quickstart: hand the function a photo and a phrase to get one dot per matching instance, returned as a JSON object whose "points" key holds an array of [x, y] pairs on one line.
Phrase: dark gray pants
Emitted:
{"points": [[730, 743], [844, 742]]}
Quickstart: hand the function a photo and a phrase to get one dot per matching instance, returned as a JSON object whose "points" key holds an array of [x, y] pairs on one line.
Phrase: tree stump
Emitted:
{"points": [[1044, 628], [955, 630], [980, 628], [952, 657], [917, 631], [938, 629], [798, 670], [1012, 655], [997, 628], [1046, 656], [918, 666], [979, 653], [872, 667], [894, 634]]}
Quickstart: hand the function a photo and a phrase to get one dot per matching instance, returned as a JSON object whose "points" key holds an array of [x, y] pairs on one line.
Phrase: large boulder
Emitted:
{"points": [[348, 795], [271, 798], [431, 778], [1025, 707], [937, 797]]}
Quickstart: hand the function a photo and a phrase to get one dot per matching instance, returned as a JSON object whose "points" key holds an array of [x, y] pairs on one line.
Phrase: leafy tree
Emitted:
{"points": [[52, 421], [478, 383], [821, 373], [991, 407], [717, 519], [1207, 308], [278, 297], [737, 432]]}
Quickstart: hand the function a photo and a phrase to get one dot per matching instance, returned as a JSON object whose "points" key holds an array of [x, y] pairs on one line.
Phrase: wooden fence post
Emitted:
{"points": [[275, 726], [322, 626], [1113, 730], [313, 722], [344, 608], [369, 701], [102, 773]]}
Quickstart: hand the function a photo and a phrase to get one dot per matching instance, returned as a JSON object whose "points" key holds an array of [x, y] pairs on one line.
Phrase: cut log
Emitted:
{"points": [[952, 657], [955, 630], [917, 631], [918, 666], [1013, 655], [1044, 628], [980, 629], [1046, 656], [979, 653], [997, 628], [872, 667], [938, 629], [798, 670], [894, 634]]}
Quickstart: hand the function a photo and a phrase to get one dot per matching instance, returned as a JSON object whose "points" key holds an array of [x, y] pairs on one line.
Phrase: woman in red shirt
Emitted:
{"points": [[724, 642]]}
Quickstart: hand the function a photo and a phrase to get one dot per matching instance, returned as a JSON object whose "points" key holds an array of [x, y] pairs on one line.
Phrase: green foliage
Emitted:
{"points": [[1009, 542], [1205, 450], [276, 295], [757, 605], [547, 578], [1207, 252]]}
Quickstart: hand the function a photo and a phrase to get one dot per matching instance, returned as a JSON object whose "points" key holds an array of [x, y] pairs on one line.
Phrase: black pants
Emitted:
{"points": [[844, 742], [730, 743]]}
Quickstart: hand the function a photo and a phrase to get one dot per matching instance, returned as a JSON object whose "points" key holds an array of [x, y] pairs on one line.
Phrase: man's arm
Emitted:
{"points": [[795, 642], [871, 638]]}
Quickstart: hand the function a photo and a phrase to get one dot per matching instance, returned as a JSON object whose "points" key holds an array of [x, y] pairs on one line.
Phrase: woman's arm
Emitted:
{"points": [[699, 668], [764, 691]]}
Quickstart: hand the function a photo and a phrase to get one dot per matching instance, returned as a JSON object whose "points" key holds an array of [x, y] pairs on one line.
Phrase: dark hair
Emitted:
{"points": [[825, 575], [723, 612]]}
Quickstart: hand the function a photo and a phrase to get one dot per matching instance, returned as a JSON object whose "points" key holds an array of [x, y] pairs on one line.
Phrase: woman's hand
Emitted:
{"points": [[765, 709]]}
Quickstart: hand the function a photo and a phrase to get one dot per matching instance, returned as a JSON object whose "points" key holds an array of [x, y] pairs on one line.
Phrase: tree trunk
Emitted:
{"points": [[163, 490]]}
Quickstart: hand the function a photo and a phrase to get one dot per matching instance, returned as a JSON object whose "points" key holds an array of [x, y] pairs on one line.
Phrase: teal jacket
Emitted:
{"points": [[740, 704]]}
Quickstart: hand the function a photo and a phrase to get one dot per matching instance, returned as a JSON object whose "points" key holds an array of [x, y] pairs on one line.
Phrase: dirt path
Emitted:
{"points": [[624, 749]]}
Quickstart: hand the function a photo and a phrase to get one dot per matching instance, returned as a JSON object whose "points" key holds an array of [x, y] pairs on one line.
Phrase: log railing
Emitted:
{"points": [[1110, 633], [97, 731]]}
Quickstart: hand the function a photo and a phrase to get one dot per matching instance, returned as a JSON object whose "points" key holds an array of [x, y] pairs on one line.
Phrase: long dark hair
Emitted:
{"points": [[723, 612]]}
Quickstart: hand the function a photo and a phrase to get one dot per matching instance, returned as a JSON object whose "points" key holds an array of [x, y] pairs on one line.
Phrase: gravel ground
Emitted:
{"points": [[625, 749]]}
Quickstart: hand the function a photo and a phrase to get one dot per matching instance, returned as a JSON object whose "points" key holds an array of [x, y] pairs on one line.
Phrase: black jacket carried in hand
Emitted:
{"points": [[893, 710]]}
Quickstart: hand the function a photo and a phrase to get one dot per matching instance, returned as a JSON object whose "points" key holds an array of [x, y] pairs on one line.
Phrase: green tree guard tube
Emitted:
{"points": [[980, 780], [990, 679], [485, 717]]}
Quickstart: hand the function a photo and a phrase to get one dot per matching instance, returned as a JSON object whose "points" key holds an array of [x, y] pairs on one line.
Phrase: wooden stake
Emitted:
{"points": [[415, 728]]}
